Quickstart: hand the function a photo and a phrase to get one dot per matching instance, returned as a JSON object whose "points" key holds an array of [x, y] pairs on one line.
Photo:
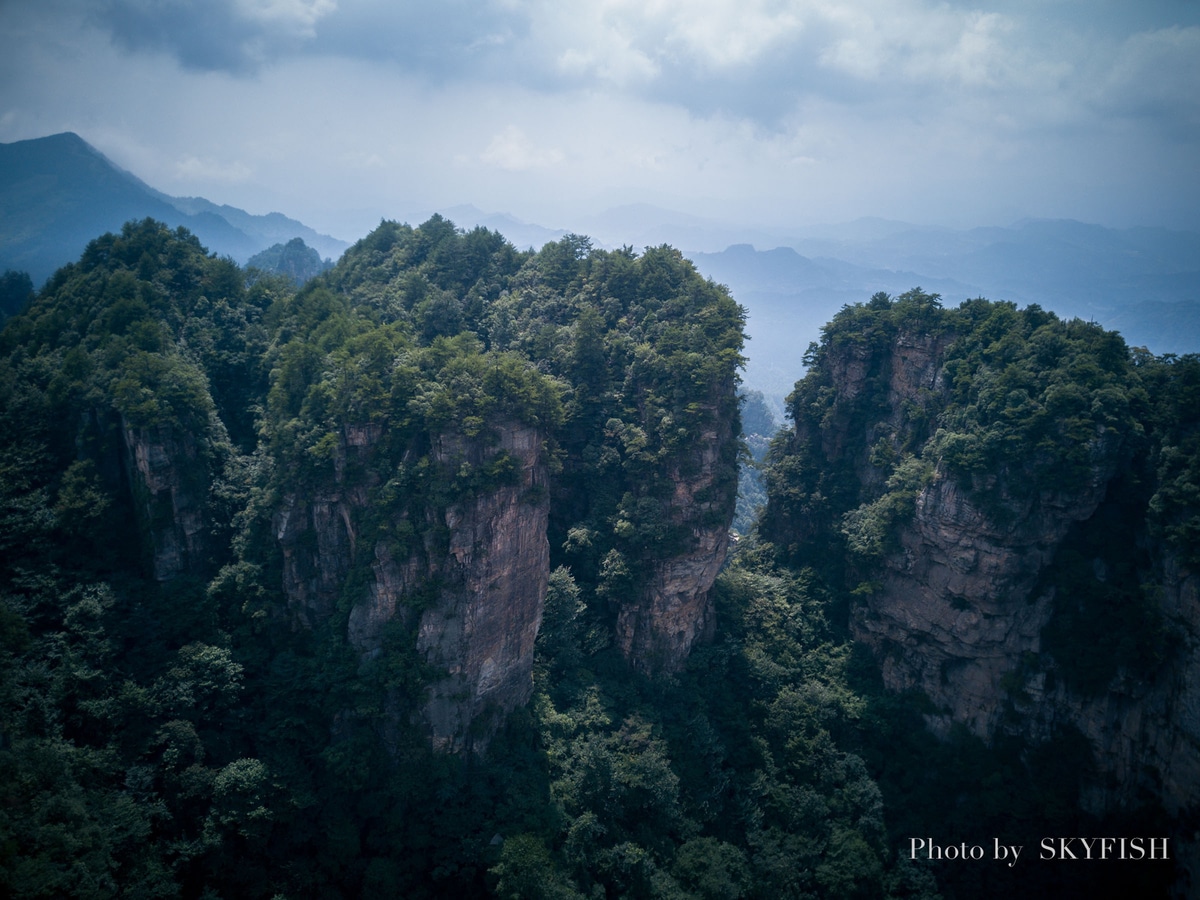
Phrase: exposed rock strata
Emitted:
{"points": [[482, 628], [959, 617], [169, 492], [954, 615], [470, 583], [316, 538], [673, 612], [910, 370], [486, 560], [959, 611], [1145, 733]]}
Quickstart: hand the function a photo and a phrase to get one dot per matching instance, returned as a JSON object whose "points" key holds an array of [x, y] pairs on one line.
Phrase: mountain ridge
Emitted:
{"points": [[58, 192]]}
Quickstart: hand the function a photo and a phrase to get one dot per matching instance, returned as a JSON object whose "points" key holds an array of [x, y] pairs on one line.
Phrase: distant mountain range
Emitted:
{"points": [[58, 192]]}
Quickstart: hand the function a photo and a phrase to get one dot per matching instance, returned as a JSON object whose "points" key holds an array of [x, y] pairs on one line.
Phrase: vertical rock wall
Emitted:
{"points": [[482, 628], [470, 583], [169, 488], [1145, 732], [471, 589], [954, 615], [959, 617], [673, 611], [959, 611]]}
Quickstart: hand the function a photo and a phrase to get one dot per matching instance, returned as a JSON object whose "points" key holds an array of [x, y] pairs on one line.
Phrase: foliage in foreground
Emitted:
{"points": [[180, 739]]}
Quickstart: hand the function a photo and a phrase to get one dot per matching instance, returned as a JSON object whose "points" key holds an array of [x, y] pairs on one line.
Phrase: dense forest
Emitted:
{"points": [[247, 527]]}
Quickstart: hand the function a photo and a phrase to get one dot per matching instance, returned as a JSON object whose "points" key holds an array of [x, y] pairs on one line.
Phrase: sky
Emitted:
{"points": [[755, 113]]}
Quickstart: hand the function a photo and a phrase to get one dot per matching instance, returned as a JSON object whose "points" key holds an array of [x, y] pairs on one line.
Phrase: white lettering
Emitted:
{"points": [[1003, 851], [936, 852]]}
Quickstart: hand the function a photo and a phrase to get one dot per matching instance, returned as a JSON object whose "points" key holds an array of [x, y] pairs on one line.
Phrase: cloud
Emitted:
{"points": [[194, 168], [512, 149], [1156, 75], [779, 110], [297, 18], [700, 35], [441, 42], [760, 60], [752, 57], [237, 36]]}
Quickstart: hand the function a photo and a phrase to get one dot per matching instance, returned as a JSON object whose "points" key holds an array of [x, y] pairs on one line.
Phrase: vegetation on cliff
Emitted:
{"points": [[177, 719], [1014, 404], [170, 725], [1066, 465]]}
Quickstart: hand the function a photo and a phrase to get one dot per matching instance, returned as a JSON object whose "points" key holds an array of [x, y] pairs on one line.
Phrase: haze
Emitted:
{"points": [[751, 113]]}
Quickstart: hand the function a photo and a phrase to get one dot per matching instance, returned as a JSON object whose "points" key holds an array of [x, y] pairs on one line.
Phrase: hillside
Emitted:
{"points": [[344, 517], [57, 193], [294, 260], [418, 580]]}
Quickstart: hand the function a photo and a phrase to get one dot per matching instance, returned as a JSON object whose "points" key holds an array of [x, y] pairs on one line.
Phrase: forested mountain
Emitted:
{"points": [[1007, 506], [418, 581], [294, 260], [58, 192], [308, 540]]}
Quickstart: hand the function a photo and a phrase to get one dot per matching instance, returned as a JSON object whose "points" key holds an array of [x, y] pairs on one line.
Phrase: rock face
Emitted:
{"points": [[470, 584], [959, 617], [169, 490], [1145, 733], [954, 615], [471, 588], [958, 607], [673, 612], [317, 535], [910, 373], [482, 627]]}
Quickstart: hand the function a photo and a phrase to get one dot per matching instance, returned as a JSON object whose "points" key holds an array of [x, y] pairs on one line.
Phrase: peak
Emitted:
{"points": [[54, 149], [62, 139], [67, 137]]}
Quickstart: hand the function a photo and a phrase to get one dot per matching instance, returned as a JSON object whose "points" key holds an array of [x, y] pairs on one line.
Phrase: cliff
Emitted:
{"points": [[482, 627], [404, 429], [999, 540], [955, 613], [468, 584], [169, 483], [1144, 731], [963, 615], [673, 611], [467, 590]]}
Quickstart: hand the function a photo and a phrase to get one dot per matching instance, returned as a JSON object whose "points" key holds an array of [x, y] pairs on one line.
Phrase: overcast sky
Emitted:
{"points": [[754, 112]]}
